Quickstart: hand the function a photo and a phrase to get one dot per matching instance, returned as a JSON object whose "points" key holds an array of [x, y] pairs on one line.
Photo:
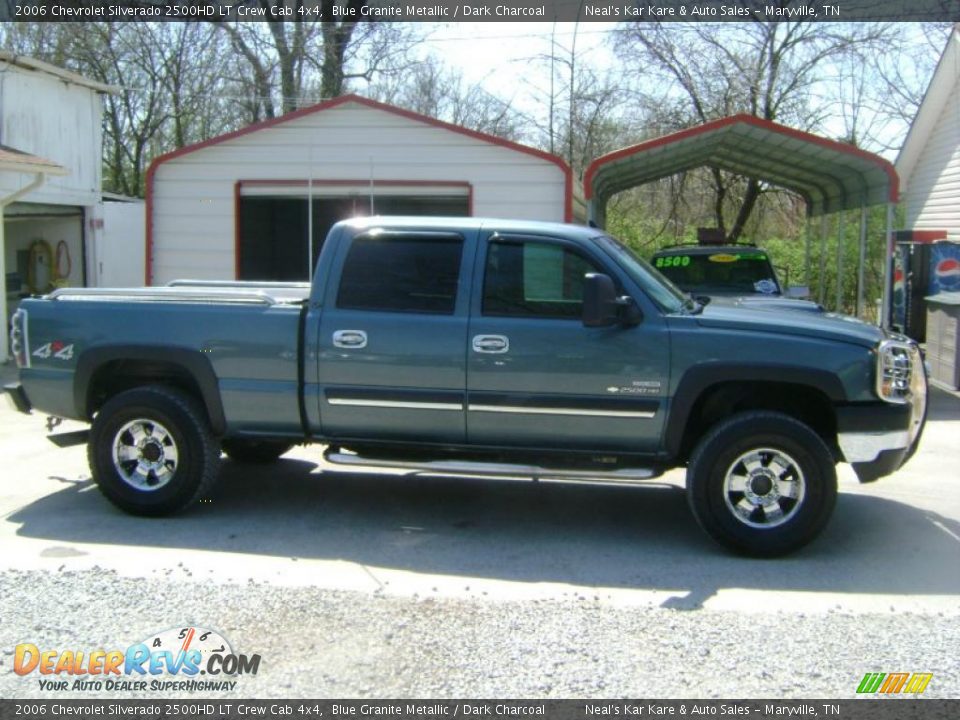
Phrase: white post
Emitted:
{"points": [[863, 260], [887, 270], [841, 237], [822, 291], [808, 232]]}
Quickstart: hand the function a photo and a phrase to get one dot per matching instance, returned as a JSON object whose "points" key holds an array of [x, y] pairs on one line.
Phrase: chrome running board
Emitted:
{"points": [[490, 469]]}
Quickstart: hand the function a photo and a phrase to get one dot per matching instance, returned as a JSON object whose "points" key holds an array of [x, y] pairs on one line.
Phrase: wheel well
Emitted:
{"points": [[116, 376], [802, 402]]}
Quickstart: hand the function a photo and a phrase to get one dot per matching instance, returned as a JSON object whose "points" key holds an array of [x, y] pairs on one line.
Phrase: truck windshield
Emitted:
{"points": [[664, 293], [744, 273]]}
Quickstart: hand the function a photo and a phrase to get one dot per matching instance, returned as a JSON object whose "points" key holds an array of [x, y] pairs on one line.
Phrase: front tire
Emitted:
{"points": [[762, 484], [151, 451]]}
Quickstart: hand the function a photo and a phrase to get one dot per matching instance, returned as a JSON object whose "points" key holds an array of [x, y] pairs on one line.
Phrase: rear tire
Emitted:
{"points": [[257, 452], [151, 451], [762, 484]]}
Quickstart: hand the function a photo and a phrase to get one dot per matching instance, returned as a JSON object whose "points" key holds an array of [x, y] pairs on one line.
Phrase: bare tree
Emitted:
{"points": [[430, 88], [301, 56], [597, 120], [883, 96], [589, 110], [200, 96], [251, 44]]}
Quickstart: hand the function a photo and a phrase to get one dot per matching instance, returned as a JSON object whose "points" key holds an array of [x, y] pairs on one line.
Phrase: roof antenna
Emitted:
{"points": [[371, 186], [310, 216]]}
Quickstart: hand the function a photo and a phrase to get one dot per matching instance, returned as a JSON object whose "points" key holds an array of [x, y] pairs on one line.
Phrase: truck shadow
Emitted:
{"points": [[636, 537]]}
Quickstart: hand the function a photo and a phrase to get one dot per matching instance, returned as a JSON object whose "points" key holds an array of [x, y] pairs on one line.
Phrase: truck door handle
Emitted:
{"points": [[490, 343], [349, 339]]}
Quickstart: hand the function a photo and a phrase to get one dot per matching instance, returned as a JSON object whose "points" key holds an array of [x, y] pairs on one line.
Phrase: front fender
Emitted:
{"points": [[699, 378]]}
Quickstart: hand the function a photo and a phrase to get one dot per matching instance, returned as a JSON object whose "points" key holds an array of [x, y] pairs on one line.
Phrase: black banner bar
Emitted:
{"points": [[483, 10], [231, 709]]}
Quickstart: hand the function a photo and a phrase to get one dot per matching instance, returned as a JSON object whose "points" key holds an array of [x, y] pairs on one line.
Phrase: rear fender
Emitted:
{"points": [[190, 361]]}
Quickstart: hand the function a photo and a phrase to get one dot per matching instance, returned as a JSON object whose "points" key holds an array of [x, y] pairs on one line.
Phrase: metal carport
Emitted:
{"points": [[830, 176]]}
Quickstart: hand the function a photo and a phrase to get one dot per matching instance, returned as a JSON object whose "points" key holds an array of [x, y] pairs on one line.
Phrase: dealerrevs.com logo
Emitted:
{"points": [[173, 660]]}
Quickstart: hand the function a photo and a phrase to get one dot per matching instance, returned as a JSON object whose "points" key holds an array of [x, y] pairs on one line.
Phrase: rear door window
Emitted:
{"points": [[410, 274]]}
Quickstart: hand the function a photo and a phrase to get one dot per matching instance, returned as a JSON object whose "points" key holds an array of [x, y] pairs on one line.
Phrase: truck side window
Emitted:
{"points": [[534, 279], [409, 274]]}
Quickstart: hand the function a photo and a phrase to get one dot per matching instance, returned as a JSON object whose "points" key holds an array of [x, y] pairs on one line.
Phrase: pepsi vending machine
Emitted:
{"points": [[921, 269]]}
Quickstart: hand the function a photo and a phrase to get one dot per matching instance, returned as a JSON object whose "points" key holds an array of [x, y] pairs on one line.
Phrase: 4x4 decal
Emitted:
{"points": [[55, 349]]}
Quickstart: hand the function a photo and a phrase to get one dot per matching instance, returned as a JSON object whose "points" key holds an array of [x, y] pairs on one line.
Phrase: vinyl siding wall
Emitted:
{"points": [[933, 189], [43, 115]]}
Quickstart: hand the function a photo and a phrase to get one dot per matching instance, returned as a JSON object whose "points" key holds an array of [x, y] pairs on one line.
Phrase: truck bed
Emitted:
{"points": [[245, 334]]}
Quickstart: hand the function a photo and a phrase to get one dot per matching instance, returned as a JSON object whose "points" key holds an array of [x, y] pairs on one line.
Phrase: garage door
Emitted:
{"points": [[277, 221]]}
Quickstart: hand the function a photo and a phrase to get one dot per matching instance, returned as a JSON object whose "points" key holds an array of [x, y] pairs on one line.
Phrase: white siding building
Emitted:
{"points": [[235, 207], [929, 162], [52, 216]]}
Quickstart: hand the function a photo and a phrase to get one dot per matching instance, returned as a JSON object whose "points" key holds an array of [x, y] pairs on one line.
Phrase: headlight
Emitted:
{"points": [[897, 364]]}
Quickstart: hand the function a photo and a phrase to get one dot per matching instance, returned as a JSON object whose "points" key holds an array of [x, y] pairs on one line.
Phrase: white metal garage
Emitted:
{"points": [[236, 206]]}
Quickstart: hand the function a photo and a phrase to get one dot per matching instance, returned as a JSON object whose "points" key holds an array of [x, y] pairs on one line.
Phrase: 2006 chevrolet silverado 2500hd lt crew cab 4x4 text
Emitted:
{"points": [[477, 347]]}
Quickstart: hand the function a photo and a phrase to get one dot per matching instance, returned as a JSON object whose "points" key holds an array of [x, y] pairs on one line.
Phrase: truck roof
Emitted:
{"points": [[474, 223]]}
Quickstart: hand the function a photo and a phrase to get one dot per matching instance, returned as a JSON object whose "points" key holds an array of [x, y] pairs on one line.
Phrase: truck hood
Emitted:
{"points": [[757, 317], [776, 302]]}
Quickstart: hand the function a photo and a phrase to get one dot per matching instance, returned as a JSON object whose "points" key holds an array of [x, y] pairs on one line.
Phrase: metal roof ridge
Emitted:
{"points": [[31, 63]]}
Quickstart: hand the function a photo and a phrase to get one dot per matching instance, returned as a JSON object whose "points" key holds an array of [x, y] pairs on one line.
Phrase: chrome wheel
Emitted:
{"points": [[764, 488], [145, 454]]}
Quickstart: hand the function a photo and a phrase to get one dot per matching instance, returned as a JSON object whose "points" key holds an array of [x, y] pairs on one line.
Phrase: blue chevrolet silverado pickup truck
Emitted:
{"points": [[462, 346]]}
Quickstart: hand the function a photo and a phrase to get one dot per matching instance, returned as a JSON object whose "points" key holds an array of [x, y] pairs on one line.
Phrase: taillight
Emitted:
{"points": [[19, 346]]}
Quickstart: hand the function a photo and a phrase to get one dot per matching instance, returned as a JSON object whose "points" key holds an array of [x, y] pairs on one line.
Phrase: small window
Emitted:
{"points": [[534, 279], [407, 274]]}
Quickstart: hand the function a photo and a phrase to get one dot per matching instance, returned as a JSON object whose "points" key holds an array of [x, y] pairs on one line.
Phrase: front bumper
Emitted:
{"points": [[17, 397], [878, 438], [865, 431], [867, 447]]}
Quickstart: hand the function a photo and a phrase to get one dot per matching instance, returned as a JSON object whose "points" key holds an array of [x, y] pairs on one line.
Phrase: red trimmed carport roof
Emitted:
{"points": [[829, 175]]}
